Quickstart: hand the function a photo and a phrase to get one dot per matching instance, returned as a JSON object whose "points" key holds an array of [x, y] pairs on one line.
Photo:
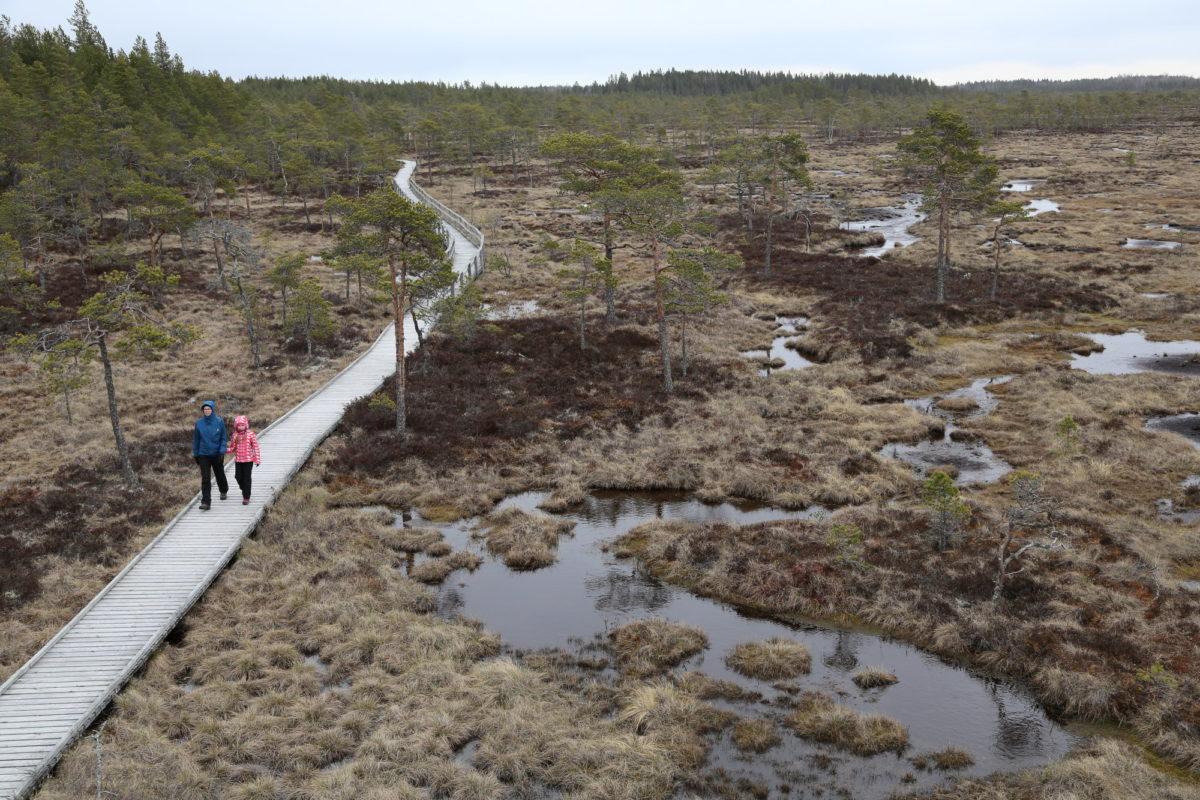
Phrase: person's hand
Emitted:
{"points": [[258, 463]]}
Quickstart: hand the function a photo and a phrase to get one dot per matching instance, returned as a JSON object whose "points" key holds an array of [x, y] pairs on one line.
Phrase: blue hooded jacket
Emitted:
{"points": [[209, 437]]}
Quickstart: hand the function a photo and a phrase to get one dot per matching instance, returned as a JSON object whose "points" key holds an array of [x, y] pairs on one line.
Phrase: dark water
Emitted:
{"points": [[974, 460], [788, 331], [1129, 352], [1186, 425], [587, 593], [893, 222]]}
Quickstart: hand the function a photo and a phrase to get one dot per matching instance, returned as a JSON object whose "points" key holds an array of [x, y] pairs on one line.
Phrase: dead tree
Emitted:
{"points": [[1032, 511]]}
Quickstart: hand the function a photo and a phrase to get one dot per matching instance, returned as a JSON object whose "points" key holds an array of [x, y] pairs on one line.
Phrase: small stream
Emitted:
{"points": [[572, 604], [1130, 352], [780, 356], [1021, 185], [893, 222], [1150, 244], [974, 461]]}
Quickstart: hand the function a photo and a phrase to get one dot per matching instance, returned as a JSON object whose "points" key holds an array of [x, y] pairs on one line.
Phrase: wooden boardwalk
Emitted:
{"points": [[56, 695]]}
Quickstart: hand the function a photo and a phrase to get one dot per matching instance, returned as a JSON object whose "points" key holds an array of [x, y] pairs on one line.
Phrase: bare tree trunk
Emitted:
{"points": [[610, 291], [67, 405], [248, 313], [304, 202], [110, 387], [583, 276], [664, 341], [770, 231], [399, 288], [942, 253], [996, 262], [220, 261], [412, 312], [683, 360]]}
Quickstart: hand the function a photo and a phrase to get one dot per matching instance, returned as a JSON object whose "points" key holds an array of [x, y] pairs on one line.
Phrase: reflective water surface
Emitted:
{"points": [[893, 222], [573, 603], [973, 460], [1130, 352], [788, 331]]}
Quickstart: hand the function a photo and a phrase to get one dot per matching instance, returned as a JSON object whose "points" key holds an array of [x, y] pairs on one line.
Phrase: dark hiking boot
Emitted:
{"points": [[205, 506], [245, 501], [224, 495]]}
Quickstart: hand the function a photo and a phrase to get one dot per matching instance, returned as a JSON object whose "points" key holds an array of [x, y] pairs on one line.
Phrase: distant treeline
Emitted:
{"points": [[86, 129], [691, 83], [1120, 83]]}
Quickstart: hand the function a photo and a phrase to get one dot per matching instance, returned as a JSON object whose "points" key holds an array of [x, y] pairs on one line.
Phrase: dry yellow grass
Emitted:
{"points": [[1102, 770], [650, 646], [769, 660], [818, 717], [874, 677], [524, 541], [755, 735], [260, 721], [313, 669]]}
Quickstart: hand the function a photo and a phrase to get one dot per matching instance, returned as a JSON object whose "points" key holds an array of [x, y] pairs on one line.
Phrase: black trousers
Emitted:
{"points": [[241, 473], [209, 465]]}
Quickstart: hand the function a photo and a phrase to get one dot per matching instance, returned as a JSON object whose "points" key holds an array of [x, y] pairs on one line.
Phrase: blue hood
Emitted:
{"points": [[209, 437]]}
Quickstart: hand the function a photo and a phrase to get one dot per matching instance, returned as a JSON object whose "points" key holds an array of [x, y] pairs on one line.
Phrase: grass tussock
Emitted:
{"points": [[651, 646], [524, 541], [773, 659], [755, 735], [818, 717], [874, 677], [413, 540], [1105, 769], [949, 759]]}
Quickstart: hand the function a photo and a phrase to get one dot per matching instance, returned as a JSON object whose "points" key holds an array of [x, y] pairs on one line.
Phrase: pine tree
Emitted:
{"points": [[945, 155], [409, 237]]}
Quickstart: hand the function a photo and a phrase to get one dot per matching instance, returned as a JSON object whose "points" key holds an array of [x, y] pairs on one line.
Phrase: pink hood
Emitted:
{"points": [[241, 424]]}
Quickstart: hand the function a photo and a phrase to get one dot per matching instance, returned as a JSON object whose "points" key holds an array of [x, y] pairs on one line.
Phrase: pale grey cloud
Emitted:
{"points": [[534, 41]]}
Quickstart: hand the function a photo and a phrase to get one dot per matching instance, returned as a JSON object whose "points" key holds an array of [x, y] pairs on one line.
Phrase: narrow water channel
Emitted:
{"points": [[893, 222], [573, 603], [780, 356]]}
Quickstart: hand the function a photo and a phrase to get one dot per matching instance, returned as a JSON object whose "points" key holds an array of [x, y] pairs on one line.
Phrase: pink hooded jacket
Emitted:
{"points": [[244, 444]]}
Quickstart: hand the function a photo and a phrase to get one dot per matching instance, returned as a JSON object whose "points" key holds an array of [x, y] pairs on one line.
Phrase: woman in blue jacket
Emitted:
{"points": [[208, 448]]}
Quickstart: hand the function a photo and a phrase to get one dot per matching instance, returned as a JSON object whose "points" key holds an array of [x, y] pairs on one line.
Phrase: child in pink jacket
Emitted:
{"points": [[244, 446]]}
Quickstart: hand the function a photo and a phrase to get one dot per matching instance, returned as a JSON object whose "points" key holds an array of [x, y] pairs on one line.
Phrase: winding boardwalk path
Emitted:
{"points": [[56, 695]]}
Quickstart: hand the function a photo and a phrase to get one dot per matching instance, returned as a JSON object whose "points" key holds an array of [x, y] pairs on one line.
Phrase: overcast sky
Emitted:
{"points": [[521, 42]]}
